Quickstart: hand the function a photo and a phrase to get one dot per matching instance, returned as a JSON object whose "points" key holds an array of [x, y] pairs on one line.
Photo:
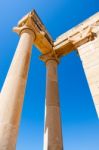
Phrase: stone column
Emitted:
{"points": [[89, 54], [12, 94], [53, 131]]}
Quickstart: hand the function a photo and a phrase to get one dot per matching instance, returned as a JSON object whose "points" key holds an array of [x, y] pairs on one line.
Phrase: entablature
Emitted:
{"points": [[65, 43], [77, 36]]}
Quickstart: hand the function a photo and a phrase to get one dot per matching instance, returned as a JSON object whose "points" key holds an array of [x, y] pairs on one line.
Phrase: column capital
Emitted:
{"points": [[49, 56], [25, 29], [26, 24], [31, 22]]}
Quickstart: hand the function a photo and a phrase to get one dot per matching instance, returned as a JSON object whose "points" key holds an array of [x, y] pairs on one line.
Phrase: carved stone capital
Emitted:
{"points": [[25, 29], [49, 56], [32, 22]]}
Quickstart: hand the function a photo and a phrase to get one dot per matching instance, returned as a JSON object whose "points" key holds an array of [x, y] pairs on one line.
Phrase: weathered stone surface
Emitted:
{"points": [[77, 36], [12, 94], [8, 132], [53, 131], [89, 54]]}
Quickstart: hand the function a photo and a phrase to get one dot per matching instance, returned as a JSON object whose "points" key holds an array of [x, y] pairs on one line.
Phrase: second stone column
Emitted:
{"points": [[53, 131]]}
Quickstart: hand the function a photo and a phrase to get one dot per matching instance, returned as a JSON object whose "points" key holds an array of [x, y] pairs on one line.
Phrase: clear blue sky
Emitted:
{"points": [[79, 120]]}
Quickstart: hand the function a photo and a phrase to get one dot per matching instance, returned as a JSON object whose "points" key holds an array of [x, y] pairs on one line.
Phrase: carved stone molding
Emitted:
{"points": [[43, 40], [49, 56], [77, 36]]}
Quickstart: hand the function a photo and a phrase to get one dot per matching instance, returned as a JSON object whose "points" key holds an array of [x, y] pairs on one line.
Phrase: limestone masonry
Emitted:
{"points": [[83, 38]]}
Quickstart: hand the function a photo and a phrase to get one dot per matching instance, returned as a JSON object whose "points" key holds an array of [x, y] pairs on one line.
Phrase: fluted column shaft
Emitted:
{"points": [[12, 94], [53, 131]]}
